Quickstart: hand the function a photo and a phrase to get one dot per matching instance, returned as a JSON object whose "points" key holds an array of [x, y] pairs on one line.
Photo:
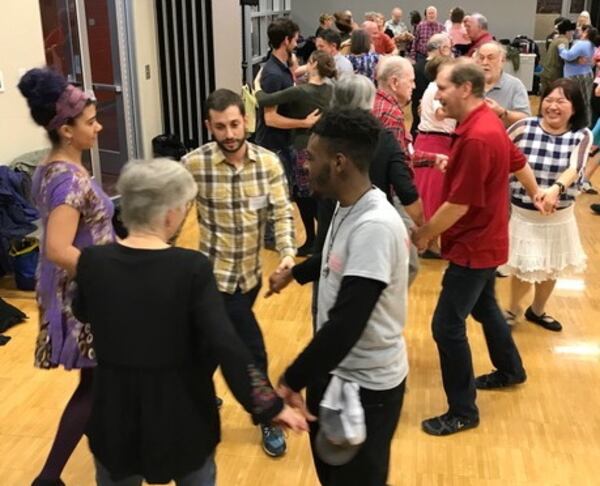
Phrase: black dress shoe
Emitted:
{"points": [[496, 379]]}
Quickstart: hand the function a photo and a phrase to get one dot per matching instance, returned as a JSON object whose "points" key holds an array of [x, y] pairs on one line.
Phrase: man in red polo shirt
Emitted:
{"points": [[476, 26], [473, 222]]}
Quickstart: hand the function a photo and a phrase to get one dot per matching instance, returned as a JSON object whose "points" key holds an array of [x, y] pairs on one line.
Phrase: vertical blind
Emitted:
{"points": [[185, 34]]}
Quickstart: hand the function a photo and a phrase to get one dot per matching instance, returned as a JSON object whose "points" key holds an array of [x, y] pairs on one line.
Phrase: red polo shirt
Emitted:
{"points": [[477, 43], [481, 159]]}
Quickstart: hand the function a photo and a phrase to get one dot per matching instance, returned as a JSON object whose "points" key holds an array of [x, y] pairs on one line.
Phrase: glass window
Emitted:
{"points": [[549, 6], [577, 6]]}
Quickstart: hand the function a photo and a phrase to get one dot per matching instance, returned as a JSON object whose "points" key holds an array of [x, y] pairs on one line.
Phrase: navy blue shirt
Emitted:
{"points": [[276, 76]]}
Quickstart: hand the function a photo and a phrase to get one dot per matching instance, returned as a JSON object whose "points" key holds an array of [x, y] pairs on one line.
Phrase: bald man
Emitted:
{"points": [[506, 95], [423, 33]]}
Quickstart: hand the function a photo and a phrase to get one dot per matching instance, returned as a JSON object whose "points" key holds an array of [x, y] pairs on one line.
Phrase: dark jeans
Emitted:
{"points": [[205, 476], [470, 291], [371, 464], [239, 309], [287, 156]]}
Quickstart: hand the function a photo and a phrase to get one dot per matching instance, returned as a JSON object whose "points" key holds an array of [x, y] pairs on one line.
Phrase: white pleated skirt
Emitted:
{"points": [[544, 247]]}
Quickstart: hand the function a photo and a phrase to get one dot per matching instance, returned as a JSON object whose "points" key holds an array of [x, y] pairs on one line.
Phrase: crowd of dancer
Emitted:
{"points": [[332, 138]]}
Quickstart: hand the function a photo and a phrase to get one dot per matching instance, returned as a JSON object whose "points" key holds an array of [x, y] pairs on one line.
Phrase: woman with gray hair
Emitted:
{"points": [[161, 329]]}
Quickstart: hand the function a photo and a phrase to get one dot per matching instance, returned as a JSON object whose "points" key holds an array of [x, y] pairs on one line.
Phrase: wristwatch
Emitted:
{"points": [[561, 187]]}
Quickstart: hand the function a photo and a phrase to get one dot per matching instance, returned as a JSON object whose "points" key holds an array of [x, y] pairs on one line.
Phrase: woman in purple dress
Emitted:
{"points": [[75, 213]]}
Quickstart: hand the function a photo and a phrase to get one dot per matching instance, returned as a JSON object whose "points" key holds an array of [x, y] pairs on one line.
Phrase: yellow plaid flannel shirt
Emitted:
{"points": [[233, 207]]}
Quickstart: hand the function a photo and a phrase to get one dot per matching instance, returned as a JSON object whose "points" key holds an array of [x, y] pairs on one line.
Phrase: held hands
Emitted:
{"points": [[441, 162], [294, 400], [281, 277], [419, 239], [291, 419], [546, 200], [278, 281]]}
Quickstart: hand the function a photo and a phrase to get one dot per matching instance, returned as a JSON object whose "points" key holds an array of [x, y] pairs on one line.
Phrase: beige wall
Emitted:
{"points": [[21, 47], [146, 54], [227, 31]]}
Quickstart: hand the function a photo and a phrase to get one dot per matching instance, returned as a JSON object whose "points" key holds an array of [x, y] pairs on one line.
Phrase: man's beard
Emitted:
{"points": [[224, 148]]}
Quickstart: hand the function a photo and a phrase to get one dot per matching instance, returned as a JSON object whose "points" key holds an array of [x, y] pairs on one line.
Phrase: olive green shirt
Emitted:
{"points": [[300, 101]]}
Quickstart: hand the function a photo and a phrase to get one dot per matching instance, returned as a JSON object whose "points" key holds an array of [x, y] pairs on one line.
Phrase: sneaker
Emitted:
{"points": [[273, 440], [595, 208], [497, 379], [588, 188], [448, 424], [546, 321]]}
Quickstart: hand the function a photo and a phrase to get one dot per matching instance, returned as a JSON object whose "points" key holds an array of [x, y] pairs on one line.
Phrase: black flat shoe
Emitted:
{"points": [[544, 320]]}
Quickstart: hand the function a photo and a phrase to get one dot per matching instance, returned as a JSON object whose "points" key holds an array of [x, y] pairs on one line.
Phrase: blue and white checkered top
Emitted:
{"points": [[549, 156]]}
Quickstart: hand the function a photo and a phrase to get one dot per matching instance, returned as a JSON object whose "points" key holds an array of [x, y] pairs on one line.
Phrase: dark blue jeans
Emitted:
{"points": [[239, 309], [370, 466], [287, 156], [470, 291]]}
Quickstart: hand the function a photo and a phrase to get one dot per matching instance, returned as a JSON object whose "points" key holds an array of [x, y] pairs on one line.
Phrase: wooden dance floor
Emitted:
{"points": [[545, 432]]}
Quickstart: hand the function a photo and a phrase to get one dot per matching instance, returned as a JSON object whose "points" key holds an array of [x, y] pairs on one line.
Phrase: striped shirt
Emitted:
{"points": [[549, 156], [233, 207]]}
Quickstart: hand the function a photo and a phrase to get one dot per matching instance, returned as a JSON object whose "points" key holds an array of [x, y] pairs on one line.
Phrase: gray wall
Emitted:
{"points": [[507, 18]]}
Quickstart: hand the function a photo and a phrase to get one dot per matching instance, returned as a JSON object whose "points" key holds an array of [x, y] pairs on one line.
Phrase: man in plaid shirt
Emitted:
{"points": [[396, 78], [423, 33], [241, 185]]}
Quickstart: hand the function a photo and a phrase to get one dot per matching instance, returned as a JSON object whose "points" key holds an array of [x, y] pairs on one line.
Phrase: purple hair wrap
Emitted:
{"points": [[69, 105]]}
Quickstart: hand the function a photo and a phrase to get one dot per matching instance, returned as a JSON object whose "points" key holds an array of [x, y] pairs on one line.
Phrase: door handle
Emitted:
{"points": [[108, 87]]}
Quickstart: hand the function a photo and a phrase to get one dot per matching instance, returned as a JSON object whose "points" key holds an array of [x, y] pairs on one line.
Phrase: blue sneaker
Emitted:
{"points": [[273, 440]]}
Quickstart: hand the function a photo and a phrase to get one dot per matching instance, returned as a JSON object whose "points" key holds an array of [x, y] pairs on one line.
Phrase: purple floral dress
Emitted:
{"points": [[62, 339]]}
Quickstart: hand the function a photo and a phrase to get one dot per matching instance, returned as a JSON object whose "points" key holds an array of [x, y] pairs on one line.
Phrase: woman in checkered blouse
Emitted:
{"points": [[546, 247]]}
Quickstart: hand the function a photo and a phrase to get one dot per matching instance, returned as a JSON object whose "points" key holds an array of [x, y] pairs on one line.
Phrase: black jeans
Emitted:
{"points": [[371, 464], [239, 309], [470, 291]]}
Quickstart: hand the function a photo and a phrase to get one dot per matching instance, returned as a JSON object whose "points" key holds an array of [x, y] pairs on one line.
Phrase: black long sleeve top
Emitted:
{"points": [[160, 328]]}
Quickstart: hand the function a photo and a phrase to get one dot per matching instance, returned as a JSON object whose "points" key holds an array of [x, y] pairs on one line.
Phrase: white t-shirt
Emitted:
{"points": [[429, 105], [370, 241]]}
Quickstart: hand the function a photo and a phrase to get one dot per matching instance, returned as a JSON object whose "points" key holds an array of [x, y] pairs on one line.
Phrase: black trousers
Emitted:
{"points": [[371, 464], [239, 309], [470, 291]]}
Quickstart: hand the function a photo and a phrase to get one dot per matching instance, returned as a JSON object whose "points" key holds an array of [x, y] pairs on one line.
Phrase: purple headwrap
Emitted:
{"points": [[69, 105]]}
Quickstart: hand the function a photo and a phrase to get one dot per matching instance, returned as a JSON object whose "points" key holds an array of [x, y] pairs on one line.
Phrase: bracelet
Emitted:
{"points": [[560, 186]]}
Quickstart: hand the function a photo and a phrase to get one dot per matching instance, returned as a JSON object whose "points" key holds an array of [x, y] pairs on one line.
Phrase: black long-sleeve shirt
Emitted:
{"points": [[347, 320], [160, 328]]}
